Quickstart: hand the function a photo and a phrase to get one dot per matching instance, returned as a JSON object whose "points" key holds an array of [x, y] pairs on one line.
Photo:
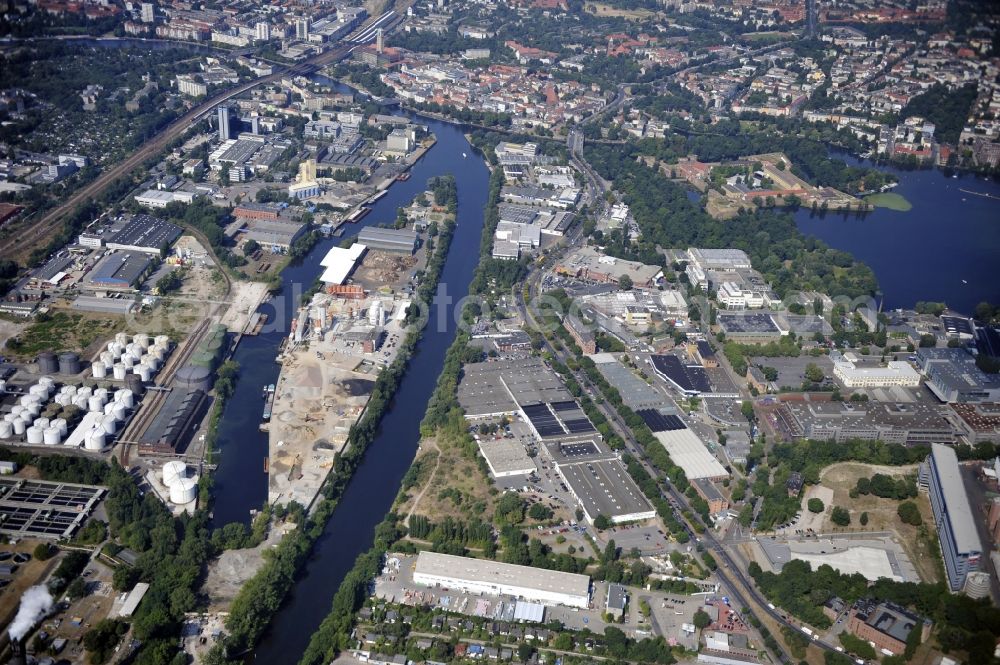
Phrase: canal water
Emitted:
{"points": [[946, 248], [240, 481]]}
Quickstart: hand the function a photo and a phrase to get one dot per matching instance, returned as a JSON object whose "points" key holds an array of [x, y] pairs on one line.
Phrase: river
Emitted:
{"points": [[240, 483], [945, 249]]}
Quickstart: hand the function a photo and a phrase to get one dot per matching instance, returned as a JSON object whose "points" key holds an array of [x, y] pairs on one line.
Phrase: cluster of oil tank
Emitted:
{"points": [[142, 356], [182, 485], [103, 411]]}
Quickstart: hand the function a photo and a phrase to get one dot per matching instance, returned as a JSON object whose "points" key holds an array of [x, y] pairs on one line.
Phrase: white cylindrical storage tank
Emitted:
{"points": [[69, 390], [19, 427], [94, 440], [126, 397], [128, 360], [122, 338], [25, 400], [184, 491], [41, 423], [6, 429], [120, 371], [99, 370], [51, 436], [47, 381], [119, 411], [142, 339], [109, 424], [85, 391], [80, 401], [3, 386], [173, 471], [109, 408], [95, 403], [152, 362], [33, 409], [61, 425], [108, 358], [34, 435], [116, 349], [144, 372], [10, 417], [162, 340], [17, 410], [102, 393], [64, 400]]}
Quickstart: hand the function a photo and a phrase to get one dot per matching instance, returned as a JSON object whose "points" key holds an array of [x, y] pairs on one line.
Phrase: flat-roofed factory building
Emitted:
{"points": [[502, 579], [389, 240], [145, 233], [685, 447]]}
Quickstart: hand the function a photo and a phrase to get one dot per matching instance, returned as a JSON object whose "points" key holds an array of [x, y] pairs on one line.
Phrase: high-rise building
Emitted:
{"points": [[255, 124], [224, 125], [960, 545], [302, 28], [148, 12], [263, 31], [379, 40]]}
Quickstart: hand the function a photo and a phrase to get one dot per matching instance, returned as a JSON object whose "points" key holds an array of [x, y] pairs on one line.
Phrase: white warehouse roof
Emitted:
{"points": [[689, 453], [502, 578], [339, 263]]}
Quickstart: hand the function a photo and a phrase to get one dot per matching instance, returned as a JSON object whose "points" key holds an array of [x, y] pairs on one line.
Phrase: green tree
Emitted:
{"points": [[601, 522], [702, 620], [625, 283], [42, 551], [77, 589], [909, 513], [840, 516], [813, 373], [815, 505], [864, 519]]}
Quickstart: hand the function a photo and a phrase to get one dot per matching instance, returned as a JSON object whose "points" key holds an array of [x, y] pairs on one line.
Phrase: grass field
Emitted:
{"points": [[919, 542], [459, 489], [889, 200]]}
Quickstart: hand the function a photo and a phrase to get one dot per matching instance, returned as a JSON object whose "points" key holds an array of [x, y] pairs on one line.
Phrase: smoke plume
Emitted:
{"points": [[35, 604]]}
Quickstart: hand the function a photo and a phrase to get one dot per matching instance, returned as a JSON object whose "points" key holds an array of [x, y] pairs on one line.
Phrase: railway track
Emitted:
{"points": [[150, 406]]}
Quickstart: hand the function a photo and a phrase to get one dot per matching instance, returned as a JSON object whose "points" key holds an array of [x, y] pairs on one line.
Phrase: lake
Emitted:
{"points": [[946, 249]]}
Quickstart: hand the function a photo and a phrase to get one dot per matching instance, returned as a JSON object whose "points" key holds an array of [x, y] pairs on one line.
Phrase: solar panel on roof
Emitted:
{"points": [[579, 426], [567, 405], [659, 422], [535, 410]]}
